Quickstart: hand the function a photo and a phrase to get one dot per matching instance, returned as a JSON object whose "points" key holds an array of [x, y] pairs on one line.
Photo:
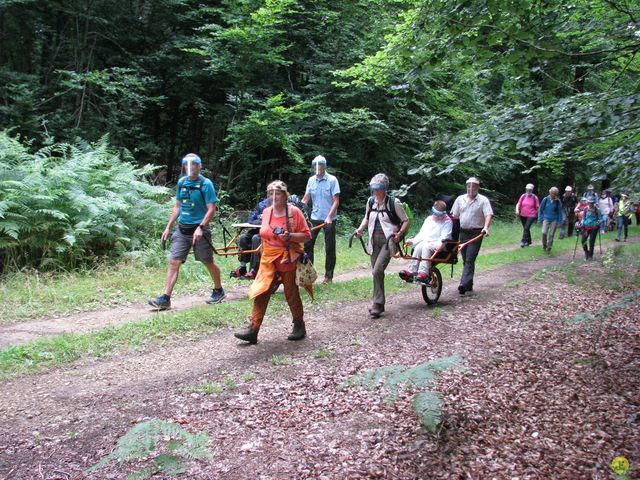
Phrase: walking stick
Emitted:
{"points": [[576, 246], [600, 241]]}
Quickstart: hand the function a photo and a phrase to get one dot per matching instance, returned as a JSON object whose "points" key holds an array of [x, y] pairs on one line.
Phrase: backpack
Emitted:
{"points": [[193, 187], [389, 209]]}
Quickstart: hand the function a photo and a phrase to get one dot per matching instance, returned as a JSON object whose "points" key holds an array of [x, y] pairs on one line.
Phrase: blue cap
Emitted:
{"points": [[191, 157]]}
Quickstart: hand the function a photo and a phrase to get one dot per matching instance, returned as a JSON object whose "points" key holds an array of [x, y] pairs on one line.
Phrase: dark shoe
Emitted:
{"points": [[376, 310], [161, 303], [406, 275], [617, 239], [523, 244], [248, 335], [217, 295], [462, 290], [422, 278], [238, 272], [250, 275], [298, 332]]}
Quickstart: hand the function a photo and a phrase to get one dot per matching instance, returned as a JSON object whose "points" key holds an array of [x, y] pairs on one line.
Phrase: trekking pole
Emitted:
{"points": [[600, 241], [576, 246]]}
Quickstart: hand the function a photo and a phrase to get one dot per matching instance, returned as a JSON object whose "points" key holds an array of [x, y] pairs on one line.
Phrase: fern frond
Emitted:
{"points": [[428, 406]]}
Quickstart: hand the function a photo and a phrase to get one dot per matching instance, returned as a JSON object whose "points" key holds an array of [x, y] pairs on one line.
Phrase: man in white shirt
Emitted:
{"points": [[475, 214]]}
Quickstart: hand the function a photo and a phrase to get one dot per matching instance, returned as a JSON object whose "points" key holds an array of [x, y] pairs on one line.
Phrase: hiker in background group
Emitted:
{"points": [[527, 209], [636, 208], [323, 190], [434, 231], [283, 231], [475, 214], [582, 207], [250, 240], [550, 215], [605, 205], [590, 225], [590, 194], [194, 208], [385, 219], [623, 212], [569, 201]]}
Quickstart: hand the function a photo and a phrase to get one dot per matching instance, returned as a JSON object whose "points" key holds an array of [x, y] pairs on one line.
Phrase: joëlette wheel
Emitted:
{"points": [[431, 293]]}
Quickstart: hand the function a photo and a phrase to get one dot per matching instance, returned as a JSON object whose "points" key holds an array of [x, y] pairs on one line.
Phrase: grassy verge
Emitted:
{"points": [[32, 295], [622, 265]]}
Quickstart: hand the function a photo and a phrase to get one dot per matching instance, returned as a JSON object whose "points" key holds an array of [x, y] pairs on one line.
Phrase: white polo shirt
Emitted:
{"points": [[471, 213]]}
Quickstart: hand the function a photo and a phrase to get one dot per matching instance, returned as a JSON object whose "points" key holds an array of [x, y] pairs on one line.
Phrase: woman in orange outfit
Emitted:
{"points": [[284, 231]]}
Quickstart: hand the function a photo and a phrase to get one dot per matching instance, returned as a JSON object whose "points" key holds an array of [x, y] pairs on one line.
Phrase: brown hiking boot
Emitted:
{"points": [[376, 310], [298, 332], [249, 334]]}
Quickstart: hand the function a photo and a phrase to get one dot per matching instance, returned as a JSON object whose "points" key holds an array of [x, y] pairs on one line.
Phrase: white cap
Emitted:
{"points": [[568, 189], [473, 180], [529, 186], [379, 182], [319, 159]]}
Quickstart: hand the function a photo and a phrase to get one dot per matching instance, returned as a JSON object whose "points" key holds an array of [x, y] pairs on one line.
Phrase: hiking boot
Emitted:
{"points": [[406, 275], [462, 290], [327, 280], [422, 278], [161, 303], [298, 332], [217, 295], [249, 334], [250, 275], [376, 310], [238, 272]]}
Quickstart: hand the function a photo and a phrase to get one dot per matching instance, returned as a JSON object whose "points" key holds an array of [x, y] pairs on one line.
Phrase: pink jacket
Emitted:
{"points": [[528, 205]]}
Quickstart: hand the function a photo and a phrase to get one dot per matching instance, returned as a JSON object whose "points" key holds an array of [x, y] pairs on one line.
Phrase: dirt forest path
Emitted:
{"points": [[289, 420], [19, 332]]}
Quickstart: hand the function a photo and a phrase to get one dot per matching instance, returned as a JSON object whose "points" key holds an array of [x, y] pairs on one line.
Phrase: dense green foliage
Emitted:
{"points": [[65, 205], [428, 91]]}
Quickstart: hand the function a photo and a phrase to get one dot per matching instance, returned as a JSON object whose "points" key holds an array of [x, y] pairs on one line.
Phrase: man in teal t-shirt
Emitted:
{"points": [[195, 207]]}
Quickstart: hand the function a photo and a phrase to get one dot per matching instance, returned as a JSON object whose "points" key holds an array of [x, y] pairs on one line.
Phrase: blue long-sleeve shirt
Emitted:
{"points": [[256, 215], [550, 210]]}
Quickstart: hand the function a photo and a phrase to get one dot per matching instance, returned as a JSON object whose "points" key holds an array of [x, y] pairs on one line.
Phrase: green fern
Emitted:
{"points": [[428, 407], [64, 205], [392, 379], [143, 440]]}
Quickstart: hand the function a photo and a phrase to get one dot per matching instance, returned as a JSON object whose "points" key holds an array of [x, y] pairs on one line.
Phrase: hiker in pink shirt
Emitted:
{"points": [[527, 209]]}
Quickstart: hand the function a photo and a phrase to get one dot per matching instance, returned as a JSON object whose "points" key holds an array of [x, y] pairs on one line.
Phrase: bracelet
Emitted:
{"points": [[202, 226]]}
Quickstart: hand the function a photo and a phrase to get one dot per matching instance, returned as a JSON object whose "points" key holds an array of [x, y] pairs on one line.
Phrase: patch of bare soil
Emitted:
{"points": [[540, 397]]}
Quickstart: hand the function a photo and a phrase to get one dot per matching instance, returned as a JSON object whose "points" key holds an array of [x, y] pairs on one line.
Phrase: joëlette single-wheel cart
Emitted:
{"points": [[231, 246], [447, 253]]}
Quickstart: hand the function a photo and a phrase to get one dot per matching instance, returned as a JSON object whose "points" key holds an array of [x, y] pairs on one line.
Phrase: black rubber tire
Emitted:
{"points": [[431, 293]]}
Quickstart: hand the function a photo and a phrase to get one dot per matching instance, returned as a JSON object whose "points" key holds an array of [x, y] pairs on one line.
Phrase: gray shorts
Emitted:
{"points": [[181, 245]]}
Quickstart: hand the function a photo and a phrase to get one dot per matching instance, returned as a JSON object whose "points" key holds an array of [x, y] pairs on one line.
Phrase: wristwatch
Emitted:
{"points": [[202, 226]]}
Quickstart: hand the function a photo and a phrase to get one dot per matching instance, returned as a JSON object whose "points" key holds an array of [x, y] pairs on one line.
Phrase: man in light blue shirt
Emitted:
{"points": [[323, 190]]}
